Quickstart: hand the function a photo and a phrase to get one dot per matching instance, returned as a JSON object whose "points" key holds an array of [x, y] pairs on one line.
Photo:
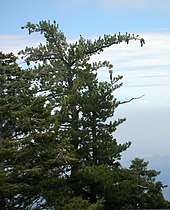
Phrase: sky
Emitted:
{"points": [[146, 70]]}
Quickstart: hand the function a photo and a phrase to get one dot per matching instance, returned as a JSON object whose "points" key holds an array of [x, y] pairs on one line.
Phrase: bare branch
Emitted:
{"points": [[127, 101]]}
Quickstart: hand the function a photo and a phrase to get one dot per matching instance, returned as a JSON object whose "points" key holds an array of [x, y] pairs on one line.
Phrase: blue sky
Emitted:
{"points": [[146, 70], [87, 17]]}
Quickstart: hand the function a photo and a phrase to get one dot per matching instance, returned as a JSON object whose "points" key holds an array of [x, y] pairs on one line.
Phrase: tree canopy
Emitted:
{"points": [[58, 149]]}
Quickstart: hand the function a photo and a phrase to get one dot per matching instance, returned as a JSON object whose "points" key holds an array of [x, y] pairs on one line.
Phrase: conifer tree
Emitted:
{"points": [[137, 188], [58, 149], [82, 104]]}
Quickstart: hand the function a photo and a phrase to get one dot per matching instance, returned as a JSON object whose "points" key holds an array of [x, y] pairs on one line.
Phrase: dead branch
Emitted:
{"points": [[134, 98]]}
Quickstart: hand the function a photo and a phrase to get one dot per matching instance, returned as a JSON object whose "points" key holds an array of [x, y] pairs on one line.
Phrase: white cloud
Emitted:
{"points": [[15, 43], [146, 70], [154, 53]]}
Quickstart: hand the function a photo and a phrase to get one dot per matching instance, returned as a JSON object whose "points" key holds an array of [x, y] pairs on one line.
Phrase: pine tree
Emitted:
{"points": [[147, 190], [58, 149], [82, 104]]}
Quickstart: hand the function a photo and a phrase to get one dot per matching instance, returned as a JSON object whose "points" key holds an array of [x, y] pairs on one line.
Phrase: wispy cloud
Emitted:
{"points": [[15, 43], [154, 53], [146, 70]]}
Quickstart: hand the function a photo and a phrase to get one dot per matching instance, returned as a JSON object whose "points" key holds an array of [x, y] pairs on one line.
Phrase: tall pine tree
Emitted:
{"points": [[82, 104], [58, 149]]}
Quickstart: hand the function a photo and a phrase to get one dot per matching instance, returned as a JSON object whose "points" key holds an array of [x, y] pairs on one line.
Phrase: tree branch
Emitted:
{"points": [[134, 98]]}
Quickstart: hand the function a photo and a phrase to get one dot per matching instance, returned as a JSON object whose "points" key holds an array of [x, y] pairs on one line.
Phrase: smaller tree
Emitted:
{"points": [[148, 190], [137, 187]]}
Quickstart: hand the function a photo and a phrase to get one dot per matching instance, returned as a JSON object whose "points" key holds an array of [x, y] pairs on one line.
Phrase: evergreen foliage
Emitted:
{"points": [[58, 149]]}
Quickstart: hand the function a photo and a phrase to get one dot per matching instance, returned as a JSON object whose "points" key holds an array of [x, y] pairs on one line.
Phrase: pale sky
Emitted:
{"points": [[146, 70]]}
